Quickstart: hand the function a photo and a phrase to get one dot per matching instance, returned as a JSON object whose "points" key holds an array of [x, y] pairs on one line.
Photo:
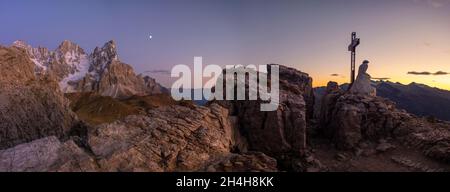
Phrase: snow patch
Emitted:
{"points": [[82, 68]]}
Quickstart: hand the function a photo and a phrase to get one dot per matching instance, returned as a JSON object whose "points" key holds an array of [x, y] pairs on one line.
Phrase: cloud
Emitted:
{"points": [[162, 72], [428, 73], [441, 73], [337, 75], [434, 3], [419, 73]]}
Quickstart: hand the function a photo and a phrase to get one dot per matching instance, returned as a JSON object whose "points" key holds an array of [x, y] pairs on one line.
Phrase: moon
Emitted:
{"points": [[150, 36]]}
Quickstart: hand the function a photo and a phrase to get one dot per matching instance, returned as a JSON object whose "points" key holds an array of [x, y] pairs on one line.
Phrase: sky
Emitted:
{"points": [[404, 40]]}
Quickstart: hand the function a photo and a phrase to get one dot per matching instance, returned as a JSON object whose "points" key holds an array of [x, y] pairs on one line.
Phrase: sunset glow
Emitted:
{"points": [[397, 36]]}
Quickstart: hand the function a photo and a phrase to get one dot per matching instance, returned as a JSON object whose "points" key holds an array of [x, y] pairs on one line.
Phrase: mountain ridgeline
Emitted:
{"points": [[418, 99], [100, 71]]}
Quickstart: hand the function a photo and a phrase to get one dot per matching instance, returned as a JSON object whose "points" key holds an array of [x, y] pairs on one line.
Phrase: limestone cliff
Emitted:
{"points": [[31, 106]]}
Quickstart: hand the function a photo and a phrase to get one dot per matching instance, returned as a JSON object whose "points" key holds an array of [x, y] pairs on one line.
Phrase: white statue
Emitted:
{"points": [[362, 83]]}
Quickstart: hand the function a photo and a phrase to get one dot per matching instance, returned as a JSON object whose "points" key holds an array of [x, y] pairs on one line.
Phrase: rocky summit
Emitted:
{"points": [[370, 125]]}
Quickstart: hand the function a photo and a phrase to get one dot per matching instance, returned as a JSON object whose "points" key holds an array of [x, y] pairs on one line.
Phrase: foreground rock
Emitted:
{"points": [[31, 107], [46, 154], [169, 139], [248, 162], [173, 138], [350, 119]]}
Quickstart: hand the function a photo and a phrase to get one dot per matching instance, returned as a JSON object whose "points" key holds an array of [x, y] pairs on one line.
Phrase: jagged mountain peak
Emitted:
{"points": [[103, 56], [40, 56], [24, 45], [109, 48], [110, 43], [69, 46], [20, 44]]}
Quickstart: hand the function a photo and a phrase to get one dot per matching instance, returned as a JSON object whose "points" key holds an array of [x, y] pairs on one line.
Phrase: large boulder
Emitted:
{"points": [[281, 132], [31, 107], [349, 118]]}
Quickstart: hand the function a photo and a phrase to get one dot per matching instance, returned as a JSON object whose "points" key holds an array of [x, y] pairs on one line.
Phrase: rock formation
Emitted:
{"points": [[349, 119], [173, 138], [167, 139], [279, 133], [30, 107], [326, 104], [100, 71]]}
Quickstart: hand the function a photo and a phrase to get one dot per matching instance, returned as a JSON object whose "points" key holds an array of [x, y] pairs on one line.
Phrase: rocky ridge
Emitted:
{"points": [[350, 119], [100, 71], [174, 138]]}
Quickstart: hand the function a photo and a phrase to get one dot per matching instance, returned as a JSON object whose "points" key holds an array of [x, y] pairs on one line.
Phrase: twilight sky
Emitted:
{"points": [[398, 36]]}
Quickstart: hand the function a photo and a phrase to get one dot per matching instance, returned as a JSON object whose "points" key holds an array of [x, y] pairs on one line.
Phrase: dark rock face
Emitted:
{"points": [[30, 107], [274, 132], [302, 82], [279, 132]]}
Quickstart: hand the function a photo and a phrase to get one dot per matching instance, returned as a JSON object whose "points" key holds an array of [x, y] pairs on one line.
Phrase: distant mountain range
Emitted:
{"points": [[419, 99], [100, 71]]}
